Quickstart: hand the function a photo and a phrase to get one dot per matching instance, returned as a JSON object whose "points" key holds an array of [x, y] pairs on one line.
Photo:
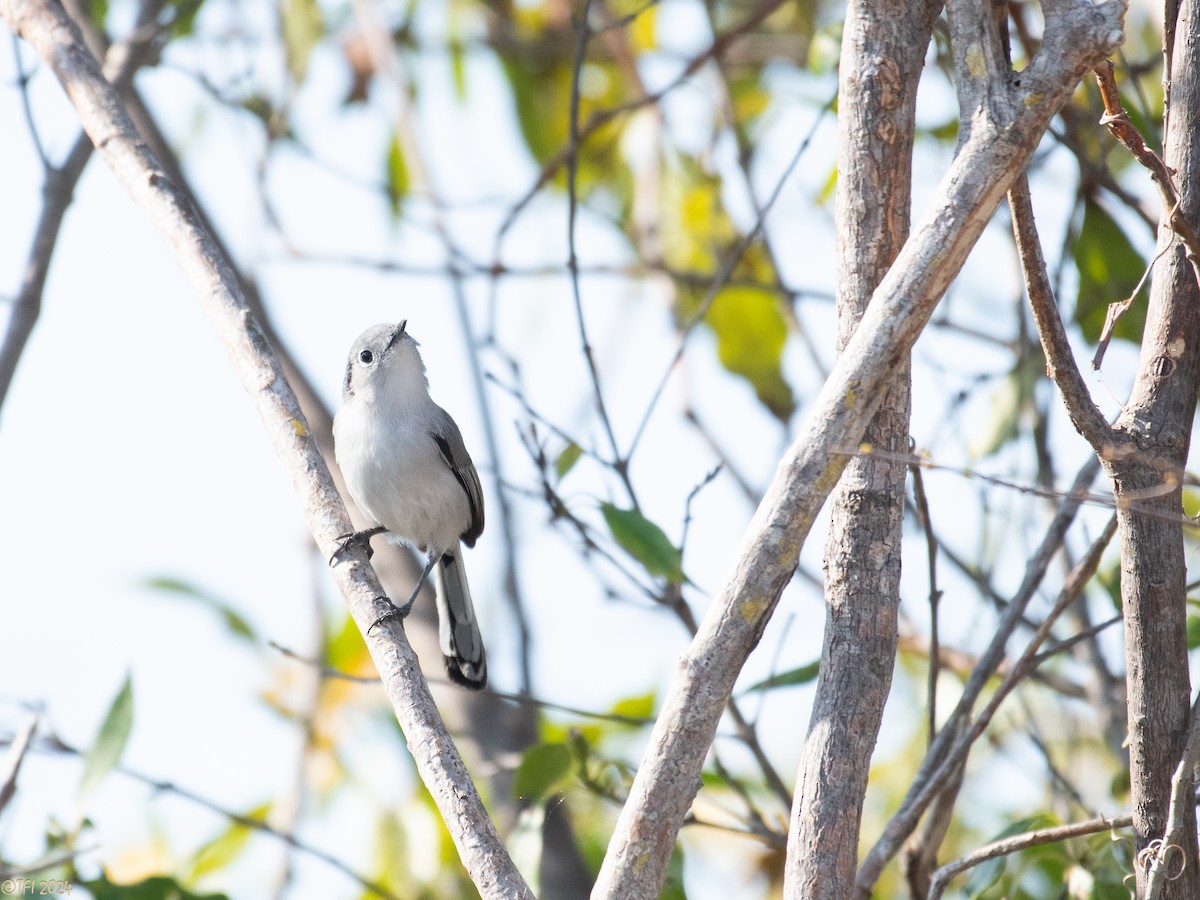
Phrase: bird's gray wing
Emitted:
{"points": [[450, 444]]}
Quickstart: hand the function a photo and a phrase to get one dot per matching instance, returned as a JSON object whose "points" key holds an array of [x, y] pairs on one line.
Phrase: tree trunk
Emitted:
{"points": [[883, 51], [1147, 484]]}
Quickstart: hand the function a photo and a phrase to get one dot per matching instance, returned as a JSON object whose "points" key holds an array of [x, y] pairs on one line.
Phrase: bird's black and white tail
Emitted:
{"points": [[458, 630]]}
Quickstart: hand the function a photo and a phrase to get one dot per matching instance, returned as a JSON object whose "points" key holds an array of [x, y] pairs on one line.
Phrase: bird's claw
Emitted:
{"points": [[355, 539], [394, 612]]}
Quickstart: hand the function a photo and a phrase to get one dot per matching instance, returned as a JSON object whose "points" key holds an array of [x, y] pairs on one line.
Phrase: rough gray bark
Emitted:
{"points": [[883, 53], [1006, 126], [57, 40]]}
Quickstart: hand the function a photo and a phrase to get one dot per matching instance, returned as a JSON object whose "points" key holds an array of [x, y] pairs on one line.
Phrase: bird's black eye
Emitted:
{"points": [[366, 357]]}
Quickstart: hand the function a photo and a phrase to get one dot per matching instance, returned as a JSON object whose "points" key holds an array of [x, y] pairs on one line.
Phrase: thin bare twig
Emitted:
{"points": [[1018, 842], [23, 77], [729, 261], [599, 119], [53, 744], [521, 698], [921, 504], [1060, 361], [10, 766], [574, 141], [1117, 120], [946, 752]]}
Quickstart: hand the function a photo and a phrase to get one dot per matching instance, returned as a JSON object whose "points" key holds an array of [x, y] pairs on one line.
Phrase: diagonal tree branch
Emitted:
{"points": [[57, 40], [1078, 35]]}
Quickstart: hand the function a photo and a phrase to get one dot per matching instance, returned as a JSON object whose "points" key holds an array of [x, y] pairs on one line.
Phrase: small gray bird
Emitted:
{"points": [[408, 470]]}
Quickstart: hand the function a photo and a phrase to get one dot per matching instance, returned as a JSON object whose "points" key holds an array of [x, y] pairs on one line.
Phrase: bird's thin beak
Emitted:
{"points": [[396, 335]]}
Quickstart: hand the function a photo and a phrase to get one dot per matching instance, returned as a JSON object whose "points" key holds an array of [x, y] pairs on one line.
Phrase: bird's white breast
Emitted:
{"points": [[396, 475]]}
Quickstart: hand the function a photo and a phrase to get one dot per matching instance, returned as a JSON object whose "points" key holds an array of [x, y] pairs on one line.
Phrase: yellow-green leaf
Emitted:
{"points": [[642, 30], [641, 707], [829, 188], [303, 25], [397, 175], [225, 847], [566, 460], [344, 646], [458, 68], [751, 332], [234, 621], [1193, 631], [104, 754]]}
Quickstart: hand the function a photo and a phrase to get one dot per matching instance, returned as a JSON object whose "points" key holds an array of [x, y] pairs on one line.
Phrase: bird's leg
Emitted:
{"points": [[403, 610], [356, 539]]}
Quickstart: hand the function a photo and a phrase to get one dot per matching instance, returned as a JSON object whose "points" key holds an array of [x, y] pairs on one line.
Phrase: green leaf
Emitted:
{"points": [[227, 846], [1191, 508], [105, 752], [802, 675], [672, 888], [157, 887], [1193, 630], [397, 175], [1109, 578], [1109, 269], [526, 846], [542, 768], [947, 132], [566, 460], [645, 542], [186, 590], [184, 21], [303, 25], [541, 94]]}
